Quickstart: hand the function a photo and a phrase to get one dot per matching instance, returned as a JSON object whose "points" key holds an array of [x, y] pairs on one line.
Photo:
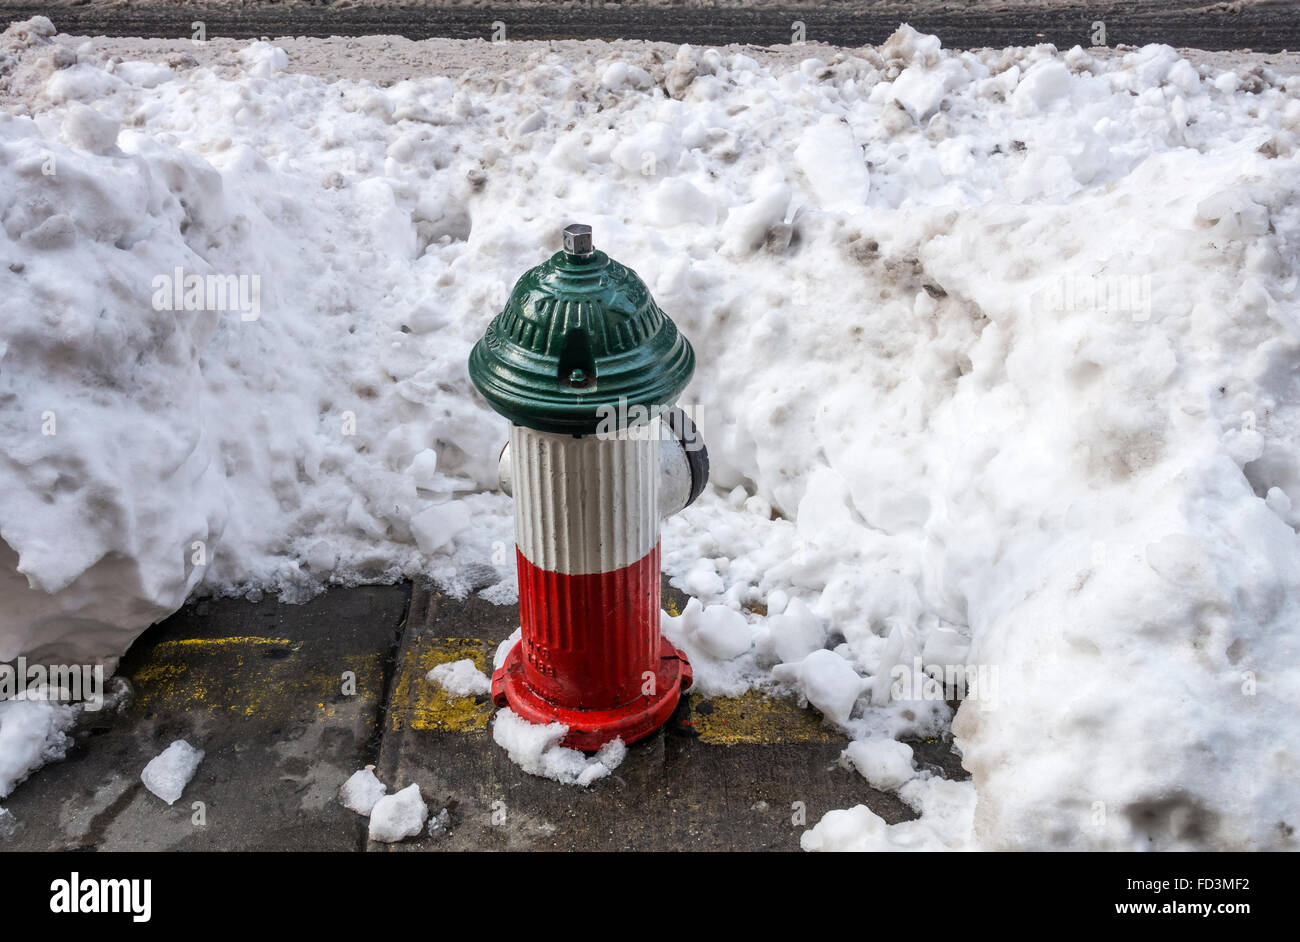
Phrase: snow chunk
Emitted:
{"points": [[886, 764], [907, 46], [834, 164], [9, 825], [32, 733], [536, 749], [398, 816], [262, 59], [503, 649], [919, 91], [437, 526], [361, 791], [723, 633], [621, 73], [86, 128], [1046, 82], [827, 681], [677, 202], [170, 771], [793, 634], [460, 678]]}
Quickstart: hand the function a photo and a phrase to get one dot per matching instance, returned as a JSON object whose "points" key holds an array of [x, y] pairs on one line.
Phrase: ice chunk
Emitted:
{"points": [[398, 816], [440, 823], [460, 678], [360, 792], [170, 771]]}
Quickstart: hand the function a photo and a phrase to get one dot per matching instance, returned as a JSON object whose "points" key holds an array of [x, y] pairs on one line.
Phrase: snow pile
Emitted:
{"points": [[995, 369], [170, 771], [362, 791], [398, 816], [219, 368], [536, 749], [460, 679]]}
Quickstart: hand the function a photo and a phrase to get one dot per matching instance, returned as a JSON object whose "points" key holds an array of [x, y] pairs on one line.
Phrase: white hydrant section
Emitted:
{"points": [[585, 505]]}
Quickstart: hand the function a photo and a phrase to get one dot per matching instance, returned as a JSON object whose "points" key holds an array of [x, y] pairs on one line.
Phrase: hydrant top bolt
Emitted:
{"points": [[577, 240]]}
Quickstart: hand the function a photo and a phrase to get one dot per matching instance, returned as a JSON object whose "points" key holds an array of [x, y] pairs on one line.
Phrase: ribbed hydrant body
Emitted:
{"points": [[587, 369]]}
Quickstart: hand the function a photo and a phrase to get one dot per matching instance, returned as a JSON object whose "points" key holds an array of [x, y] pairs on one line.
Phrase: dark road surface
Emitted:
{"points": [[1262, 28]]}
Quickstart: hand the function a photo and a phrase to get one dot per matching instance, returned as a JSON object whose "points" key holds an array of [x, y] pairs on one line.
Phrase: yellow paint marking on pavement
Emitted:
{"points": [[418, 703], [236, 675], [755, 719], [231, 641], [752, 719]]}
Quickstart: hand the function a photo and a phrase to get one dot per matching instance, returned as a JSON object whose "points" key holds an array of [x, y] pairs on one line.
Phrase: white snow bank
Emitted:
{"points": [[460, 678], [276, 429], [1012, 396], [362, 791], [170, 771], [398, 816], [536, 749]]}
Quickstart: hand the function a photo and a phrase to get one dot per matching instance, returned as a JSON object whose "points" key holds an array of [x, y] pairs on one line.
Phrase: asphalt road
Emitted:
{"points": [[1262, 28]]}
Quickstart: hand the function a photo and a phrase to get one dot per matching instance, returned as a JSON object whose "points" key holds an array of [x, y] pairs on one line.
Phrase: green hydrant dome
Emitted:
{"points": [[579, 332]]}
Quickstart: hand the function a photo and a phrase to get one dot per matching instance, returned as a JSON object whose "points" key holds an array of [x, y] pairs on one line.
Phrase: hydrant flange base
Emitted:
{"points": [[591, 729]]}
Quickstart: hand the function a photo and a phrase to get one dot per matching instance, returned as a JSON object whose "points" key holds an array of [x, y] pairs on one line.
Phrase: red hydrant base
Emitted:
{"points": [[591, 729]]}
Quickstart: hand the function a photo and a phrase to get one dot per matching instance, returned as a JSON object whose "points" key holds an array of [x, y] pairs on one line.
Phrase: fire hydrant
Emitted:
{"points": [[587, 368]]}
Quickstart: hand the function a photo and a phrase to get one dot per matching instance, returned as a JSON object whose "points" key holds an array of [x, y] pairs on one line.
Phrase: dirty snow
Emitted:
{"points": [[995, 367], [170, 771]]}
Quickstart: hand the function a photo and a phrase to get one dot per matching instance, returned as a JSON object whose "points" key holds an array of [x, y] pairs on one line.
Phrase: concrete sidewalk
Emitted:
{"points": [[289, 700]]}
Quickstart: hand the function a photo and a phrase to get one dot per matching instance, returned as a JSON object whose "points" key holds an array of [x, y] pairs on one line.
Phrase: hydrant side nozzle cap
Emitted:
{"points": [[578, 334]]}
